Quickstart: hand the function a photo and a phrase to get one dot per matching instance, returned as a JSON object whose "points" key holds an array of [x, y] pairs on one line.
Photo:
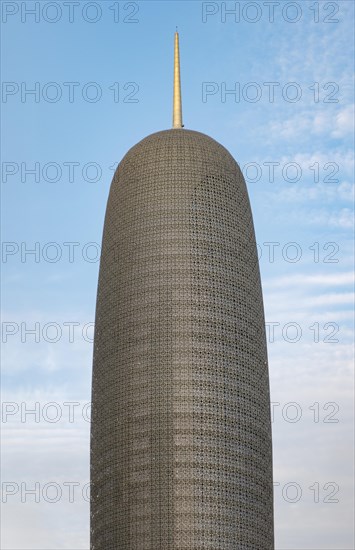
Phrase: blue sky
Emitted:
{"points": [[293, 115]]}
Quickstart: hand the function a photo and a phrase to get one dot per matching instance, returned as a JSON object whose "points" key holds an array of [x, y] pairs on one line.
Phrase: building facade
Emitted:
{"points": [[181, 454]]}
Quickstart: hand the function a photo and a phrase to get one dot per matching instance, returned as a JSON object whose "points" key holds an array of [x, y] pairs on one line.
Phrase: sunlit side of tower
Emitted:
{"points": [[181, 434]]}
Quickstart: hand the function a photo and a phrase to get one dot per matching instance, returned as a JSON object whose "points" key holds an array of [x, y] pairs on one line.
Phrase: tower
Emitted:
{"points": [[181, 434]]}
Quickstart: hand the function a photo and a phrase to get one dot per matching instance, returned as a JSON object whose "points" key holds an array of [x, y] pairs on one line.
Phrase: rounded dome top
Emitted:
{"points": [[180, 146]]}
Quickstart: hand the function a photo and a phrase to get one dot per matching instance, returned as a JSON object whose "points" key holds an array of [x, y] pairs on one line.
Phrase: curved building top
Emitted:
{"points": [[176, 145]]}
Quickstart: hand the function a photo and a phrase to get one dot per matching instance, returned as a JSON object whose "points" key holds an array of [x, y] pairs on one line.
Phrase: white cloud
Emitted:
{"points": [[325, 300], [344, 122], [56, 452], [342, 218], [41, 343], [307, 280], [335, 121], [343, 191]]}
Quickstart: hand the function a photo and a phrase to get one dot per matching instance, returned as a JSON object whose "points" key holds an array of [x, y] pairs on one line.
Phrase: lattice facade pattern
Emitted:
{"points": [[181, 434]]}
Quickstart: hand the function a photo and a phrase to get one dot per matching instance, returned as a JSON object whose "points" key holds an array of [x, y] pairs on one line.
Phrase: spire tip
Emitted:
{"points": [[177, 108]]}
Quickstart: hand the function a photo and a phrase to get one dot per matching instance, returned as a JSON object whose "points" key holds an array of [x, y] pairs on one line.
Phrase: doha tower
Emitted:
{"points": [[181, 454]]}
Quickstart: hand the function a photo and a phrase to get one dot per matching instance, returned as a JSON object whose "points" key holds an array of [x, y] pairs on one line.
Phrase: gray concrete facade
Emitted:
{"points": [[181, 453]]}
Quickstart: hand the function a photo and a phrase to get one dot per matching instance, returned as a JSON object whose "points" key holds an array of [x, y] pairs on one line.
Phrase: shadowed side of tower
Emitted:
{"points": [[181, 433]]}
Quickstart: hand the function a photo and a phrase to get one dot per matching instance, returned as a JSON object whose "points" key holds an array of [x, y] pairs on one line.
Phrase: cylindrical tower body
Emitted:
{"points": [[181, 435]]}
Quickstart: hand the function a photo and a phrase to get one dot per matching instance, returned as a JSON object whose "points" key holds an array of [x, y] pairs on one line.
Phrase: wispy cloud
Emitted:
{"points": [[337, 123], [308, 280]]}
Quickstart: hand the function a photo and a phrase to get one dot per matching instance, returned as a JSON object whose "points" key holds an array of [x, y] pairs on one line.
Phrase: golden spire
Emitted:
{"points": [[177, 109]]}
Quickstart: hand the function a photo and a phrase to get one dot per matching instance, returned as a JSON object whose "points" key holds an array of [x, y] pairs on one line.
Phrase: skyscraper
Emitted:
{"points": [[181, 435]]}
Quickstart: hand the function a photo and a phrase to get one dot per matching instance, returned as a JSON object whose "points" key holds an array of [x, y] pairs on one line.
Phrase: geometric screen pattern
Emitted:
{"points": [[181, 454]]}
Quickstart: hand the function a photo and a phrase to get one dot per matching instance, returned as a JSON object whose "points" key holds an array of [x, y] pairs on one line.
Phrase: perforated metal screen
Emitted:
{"points": [[181, 434]]}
